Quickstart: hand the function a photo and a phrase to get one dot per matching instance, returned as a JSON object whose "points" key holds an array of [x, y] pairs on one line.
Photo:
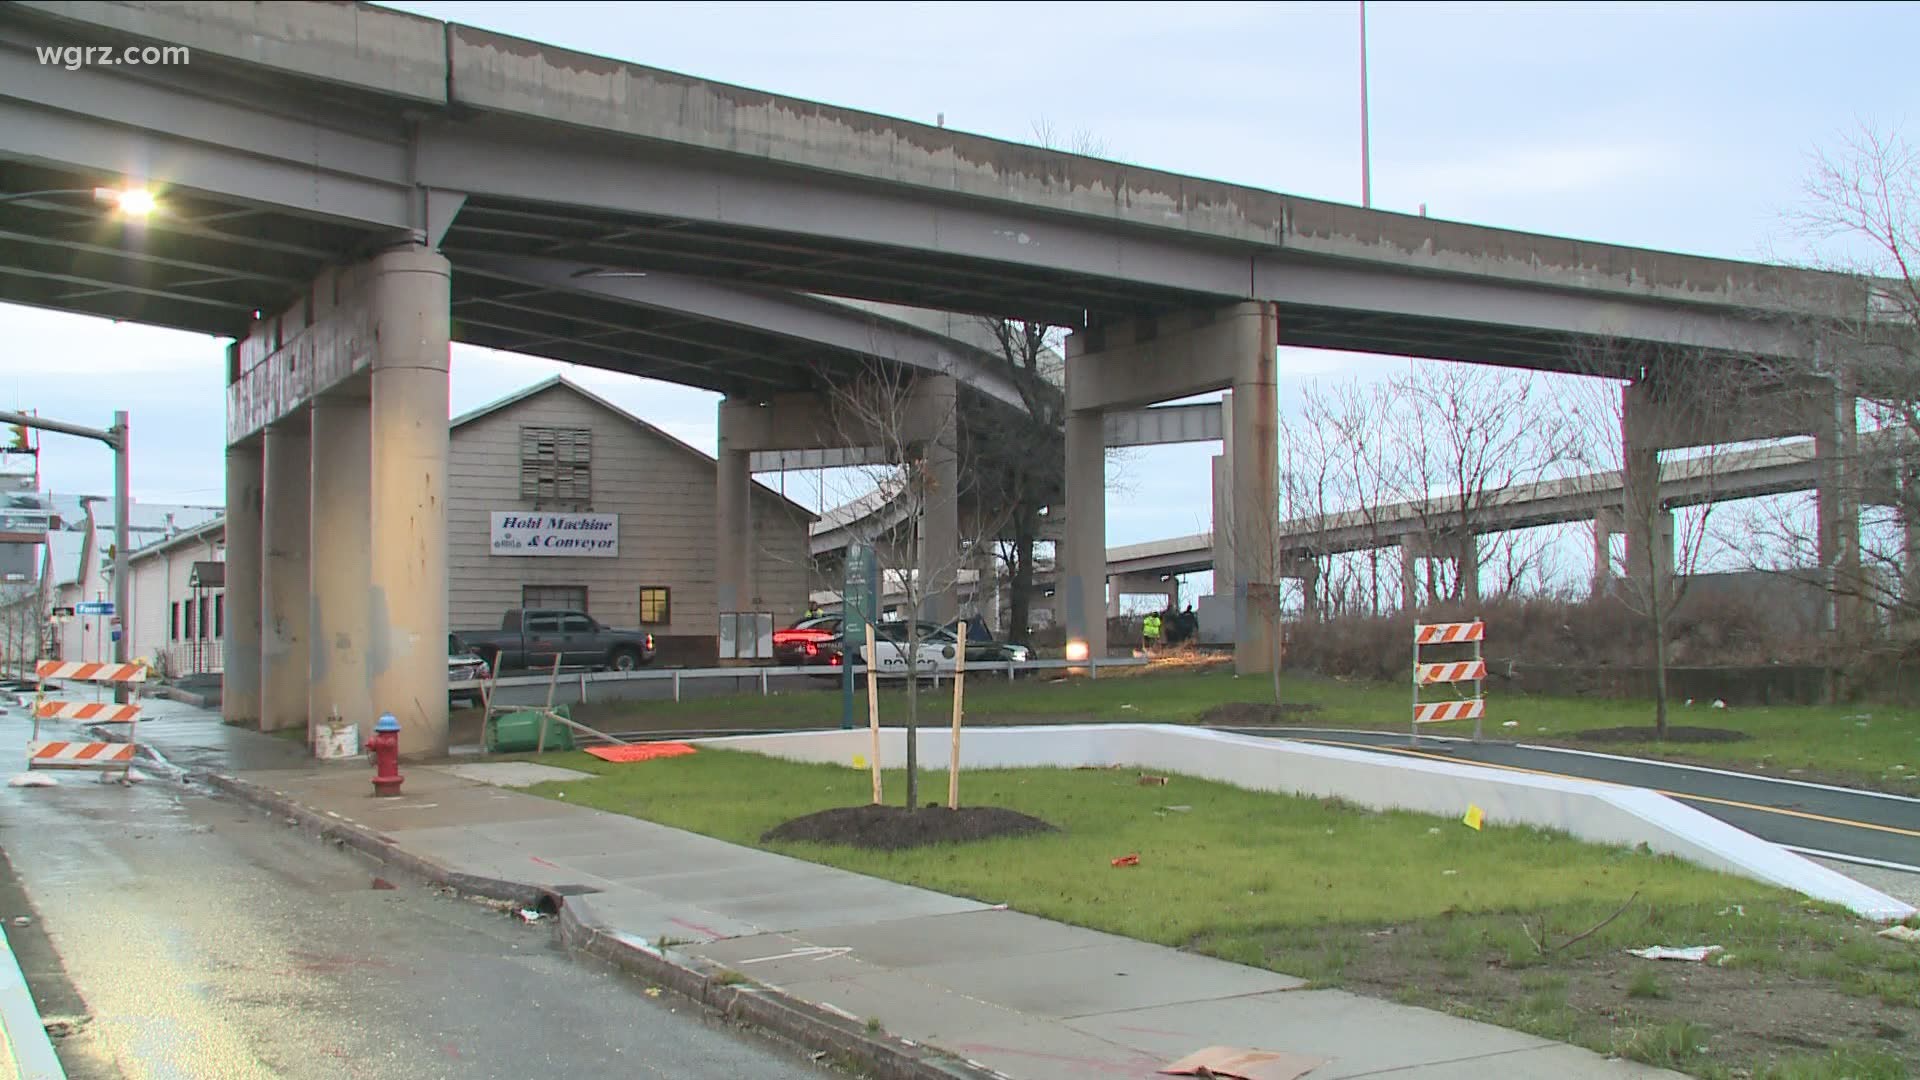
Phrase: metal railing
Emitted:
{"points": [[581, 679]]}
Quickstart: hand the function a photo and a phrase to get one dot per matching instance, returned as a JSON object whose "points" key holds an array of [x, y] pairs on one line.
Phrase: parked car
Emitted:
{"points": [[532, 637], [810, 642], [464, 665], [938, 650]]}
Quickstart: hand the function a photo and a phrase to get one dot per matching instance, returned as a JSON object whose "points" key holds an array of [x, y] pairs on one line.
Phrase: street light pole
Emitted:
{"points": [[115, 437], [1366, 150]]}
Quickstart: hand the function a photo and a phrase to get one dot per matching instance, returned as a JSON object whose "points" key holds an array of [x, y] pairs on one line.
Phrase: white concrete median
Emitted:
{"points": [[1601, 813]]}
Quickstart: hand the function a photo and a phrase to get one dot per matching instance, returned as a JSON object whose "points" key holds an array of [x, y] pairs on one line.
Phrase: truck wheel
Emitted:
{"points": [[623, 660]]}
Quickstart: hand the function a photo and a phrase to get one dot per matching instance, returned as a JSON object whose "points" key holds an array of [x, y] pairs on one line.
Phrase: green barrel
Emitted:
{"points": [[519, 732]]}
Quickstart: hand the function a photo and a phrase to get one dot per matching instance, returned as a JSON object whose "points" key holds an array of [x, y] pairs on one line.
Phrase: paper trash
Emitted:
{"points": [[1692, 953], [1240, 1064]]}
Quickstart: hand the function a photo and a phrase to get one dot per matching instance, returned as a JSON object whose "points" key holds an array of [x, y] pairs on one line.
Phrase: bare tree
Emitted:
{"points": [[1464, 434], [1358, 415], [1860, 217], [914, 424]]}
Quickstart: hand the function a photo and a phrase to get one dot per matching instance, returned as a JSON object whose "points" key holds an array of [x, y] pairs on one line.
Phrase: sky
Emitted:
{"points": [[1680, 127]]}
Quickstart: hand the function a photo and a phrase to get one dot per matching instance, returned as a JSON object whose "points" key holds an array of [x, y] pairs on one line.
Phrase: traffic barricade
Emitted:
{"points": [[1449, 673], [71, 754]]}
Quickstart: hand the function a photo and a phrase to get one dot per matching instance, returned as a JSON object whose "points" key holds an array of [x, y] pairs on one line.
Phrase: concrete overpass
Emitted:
{"points": [[349, 188]]}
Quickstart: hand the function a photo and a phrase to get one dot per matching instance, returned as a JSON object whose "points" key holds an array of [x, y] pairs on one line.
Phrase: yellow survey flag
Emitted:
{"points": [[1474, 817], [859, 761]]}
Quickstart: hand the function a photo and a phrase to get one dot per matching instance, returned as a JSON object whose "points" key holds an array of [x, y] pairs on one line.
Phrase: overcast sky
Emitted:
{"points": [[1672, 126]]}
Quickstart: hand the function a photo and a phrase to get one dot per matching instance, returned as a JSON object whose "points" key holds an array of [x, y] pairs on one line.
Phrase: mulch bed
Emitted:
{"points": [[1641, 733], [1250, 713], [893, 828]]}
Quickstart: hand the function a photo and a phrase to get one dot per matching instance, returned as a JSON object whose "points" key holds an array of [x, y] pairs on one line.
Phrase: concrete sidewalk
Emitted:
{"points": [[1023, 996]]}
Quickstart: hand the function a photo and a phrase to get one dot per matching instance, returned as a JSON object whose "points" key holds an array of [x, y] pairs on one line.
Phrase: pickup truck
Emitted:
{"points": [[531, 637]]}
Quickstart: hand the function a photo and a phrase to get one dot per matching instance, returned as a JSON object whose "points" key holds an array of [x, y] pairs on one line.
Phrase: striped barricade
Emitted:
{"points": [[1449, 672], [60, 754], [53, 754]]}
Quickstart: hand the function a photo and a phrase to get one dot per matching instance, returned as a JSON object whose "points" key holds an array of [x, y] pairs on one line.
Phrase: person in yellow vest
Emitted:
{"points": [[1150, 631]]}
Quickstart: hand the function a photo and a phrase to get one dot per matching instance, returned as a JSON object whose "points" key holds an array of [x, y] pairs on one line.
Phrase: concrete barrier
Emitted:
{"points": [[1600, 813]]}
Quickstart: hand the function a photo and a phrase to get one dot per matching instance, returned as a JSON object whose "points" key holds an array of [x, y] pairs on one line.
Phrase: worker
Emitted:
{"points": [[1150, 631], [813, 609]]}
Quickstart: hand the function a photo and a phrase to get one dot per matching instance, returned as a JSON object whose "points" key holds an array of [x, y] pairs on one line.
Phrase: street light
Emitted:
{"points": [[134, 202]]}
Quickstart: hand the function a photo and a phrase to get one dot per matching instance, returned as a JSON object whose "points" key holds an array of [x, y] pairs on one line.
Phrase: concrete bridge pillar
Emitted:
{"points": [[370, 342], [342, 485], [733, 517], [1417, 549], [283, 581], [1136, 362], [940, 517], [240, 679], [407, 294]]}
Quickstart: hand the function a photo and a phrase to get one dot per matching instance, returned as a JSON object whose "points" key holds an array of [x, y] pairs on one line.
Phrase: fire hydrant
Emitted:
{"points": [[384, 745]]}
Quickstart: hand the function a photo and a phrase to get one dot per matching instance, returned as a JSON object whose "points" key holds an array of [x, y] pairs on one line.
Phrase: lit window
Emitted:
{"points": [[656, 605]]}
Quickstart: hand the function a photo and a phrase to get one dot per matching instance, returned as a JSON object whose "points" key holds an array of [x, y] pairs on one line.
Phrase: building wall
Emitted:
{"points": [[161, 580], [664, 495]]}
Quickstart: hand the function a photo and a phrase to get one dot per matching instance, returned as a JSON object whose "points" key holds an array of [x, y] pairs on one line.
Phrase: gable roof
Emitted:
{"points": [[561, 382]]}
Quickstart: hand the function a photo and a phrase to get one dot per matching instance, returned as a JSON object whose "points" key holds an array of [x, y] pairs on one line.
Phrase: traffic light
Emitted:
{"points": [[20, 441]]}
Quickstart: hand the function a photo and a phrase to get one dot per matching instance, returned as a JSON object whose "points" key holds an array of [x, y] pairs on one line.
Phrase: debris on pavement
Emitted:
{"points": [[1127, 860], [1238, 1063], [1690, 953], [530, 915], [1901, 933], [33, 780]]}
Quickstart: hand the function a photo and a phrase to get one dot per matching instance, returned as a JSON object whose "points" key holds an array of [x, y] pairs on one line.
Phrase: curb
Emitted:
{"points": [[24, 1043], [703, 982]]}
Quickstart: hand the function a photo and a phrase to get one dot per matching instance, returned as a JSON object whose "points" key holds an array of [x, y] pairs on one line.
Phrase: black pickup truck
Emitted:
{"points": [[532, 637]]}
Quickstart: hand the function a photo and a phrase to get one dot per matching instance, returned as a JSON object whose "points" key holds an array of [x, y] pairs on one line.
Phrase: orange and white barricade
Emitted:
{"points": [[65, 754], [1449, 673]]}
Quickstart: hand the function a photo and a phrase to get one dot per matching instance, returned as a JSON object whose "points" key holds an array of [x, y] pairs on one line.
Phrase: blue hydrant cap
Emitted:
{"points": [[386, 723]]}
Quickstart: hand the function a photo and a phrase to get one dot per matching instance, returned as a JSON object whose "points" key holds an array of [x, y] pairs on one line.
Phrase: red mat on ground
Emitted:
{"points": [[640, 751]]}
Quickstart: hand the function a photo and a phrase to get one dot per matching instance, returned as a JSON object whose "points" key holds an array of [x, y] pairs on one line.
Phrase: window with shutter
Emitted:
{"points": [[556, 466]]}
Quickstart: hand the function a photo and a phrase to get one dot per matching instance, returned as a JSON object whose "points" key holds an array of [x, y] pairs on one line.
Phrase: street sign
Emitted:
{"points": [[93, 607], [859, 600]]}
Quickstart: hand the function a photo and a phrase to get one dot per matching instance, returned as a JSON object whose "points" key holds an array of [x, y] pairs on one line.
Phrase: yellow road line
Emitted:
{"points": [[1782, 811]]}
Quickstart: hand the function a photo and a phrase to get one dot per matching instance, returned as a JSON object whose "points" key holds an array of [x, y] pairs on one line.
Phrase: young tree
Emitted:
{"points": [[1665, 549], [914, 422]]}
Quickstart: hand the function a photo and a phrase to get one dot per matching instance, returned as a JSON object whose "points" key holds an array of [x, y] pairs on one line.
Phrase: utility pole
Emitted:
{"points": [[1366, 150], [115, 437]]}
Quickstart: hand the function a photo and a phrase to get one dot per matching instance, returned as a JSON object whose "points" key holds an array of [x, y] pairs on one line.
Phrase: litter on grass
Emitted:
{"points": [[1127, 860], [640, 751], [1690, 953], [1474, 818], [1902, 933]]}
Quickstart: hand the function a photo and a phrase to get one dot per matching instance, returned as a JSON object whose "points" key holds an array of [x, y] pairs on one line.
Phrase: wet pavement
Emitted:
{"points": [[186, 935]]}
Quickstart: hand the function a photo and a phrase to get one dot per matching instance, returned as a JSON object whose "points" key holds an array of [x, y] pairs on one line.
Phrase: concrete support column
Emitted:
{"points": [[940, 518], [1223, 504], [283, 581], [240, 683], [1310, 591], [1467, 566], [342, 551], [1605, 525], [733, 525], [408, 293], [1835, 441], [1083, 577], [1411, 554], [1256, 485]]}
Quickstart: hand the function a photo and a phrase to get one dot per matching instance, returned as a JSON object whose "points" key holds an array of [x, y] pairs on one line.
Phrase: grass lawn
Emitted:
{"points": [[1860, 745], [1392, 904]]}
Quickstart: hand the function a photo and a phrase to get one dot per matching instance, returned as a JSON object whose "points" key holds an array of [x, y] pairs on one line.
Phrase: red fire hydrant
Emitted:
{"points": [[384, 745]]}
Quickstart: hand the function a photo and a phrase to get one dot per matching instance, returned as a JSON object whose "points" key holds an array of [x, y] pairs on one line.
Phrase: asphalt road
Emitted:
{"points": [[1806, 817], [188, 936]]}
